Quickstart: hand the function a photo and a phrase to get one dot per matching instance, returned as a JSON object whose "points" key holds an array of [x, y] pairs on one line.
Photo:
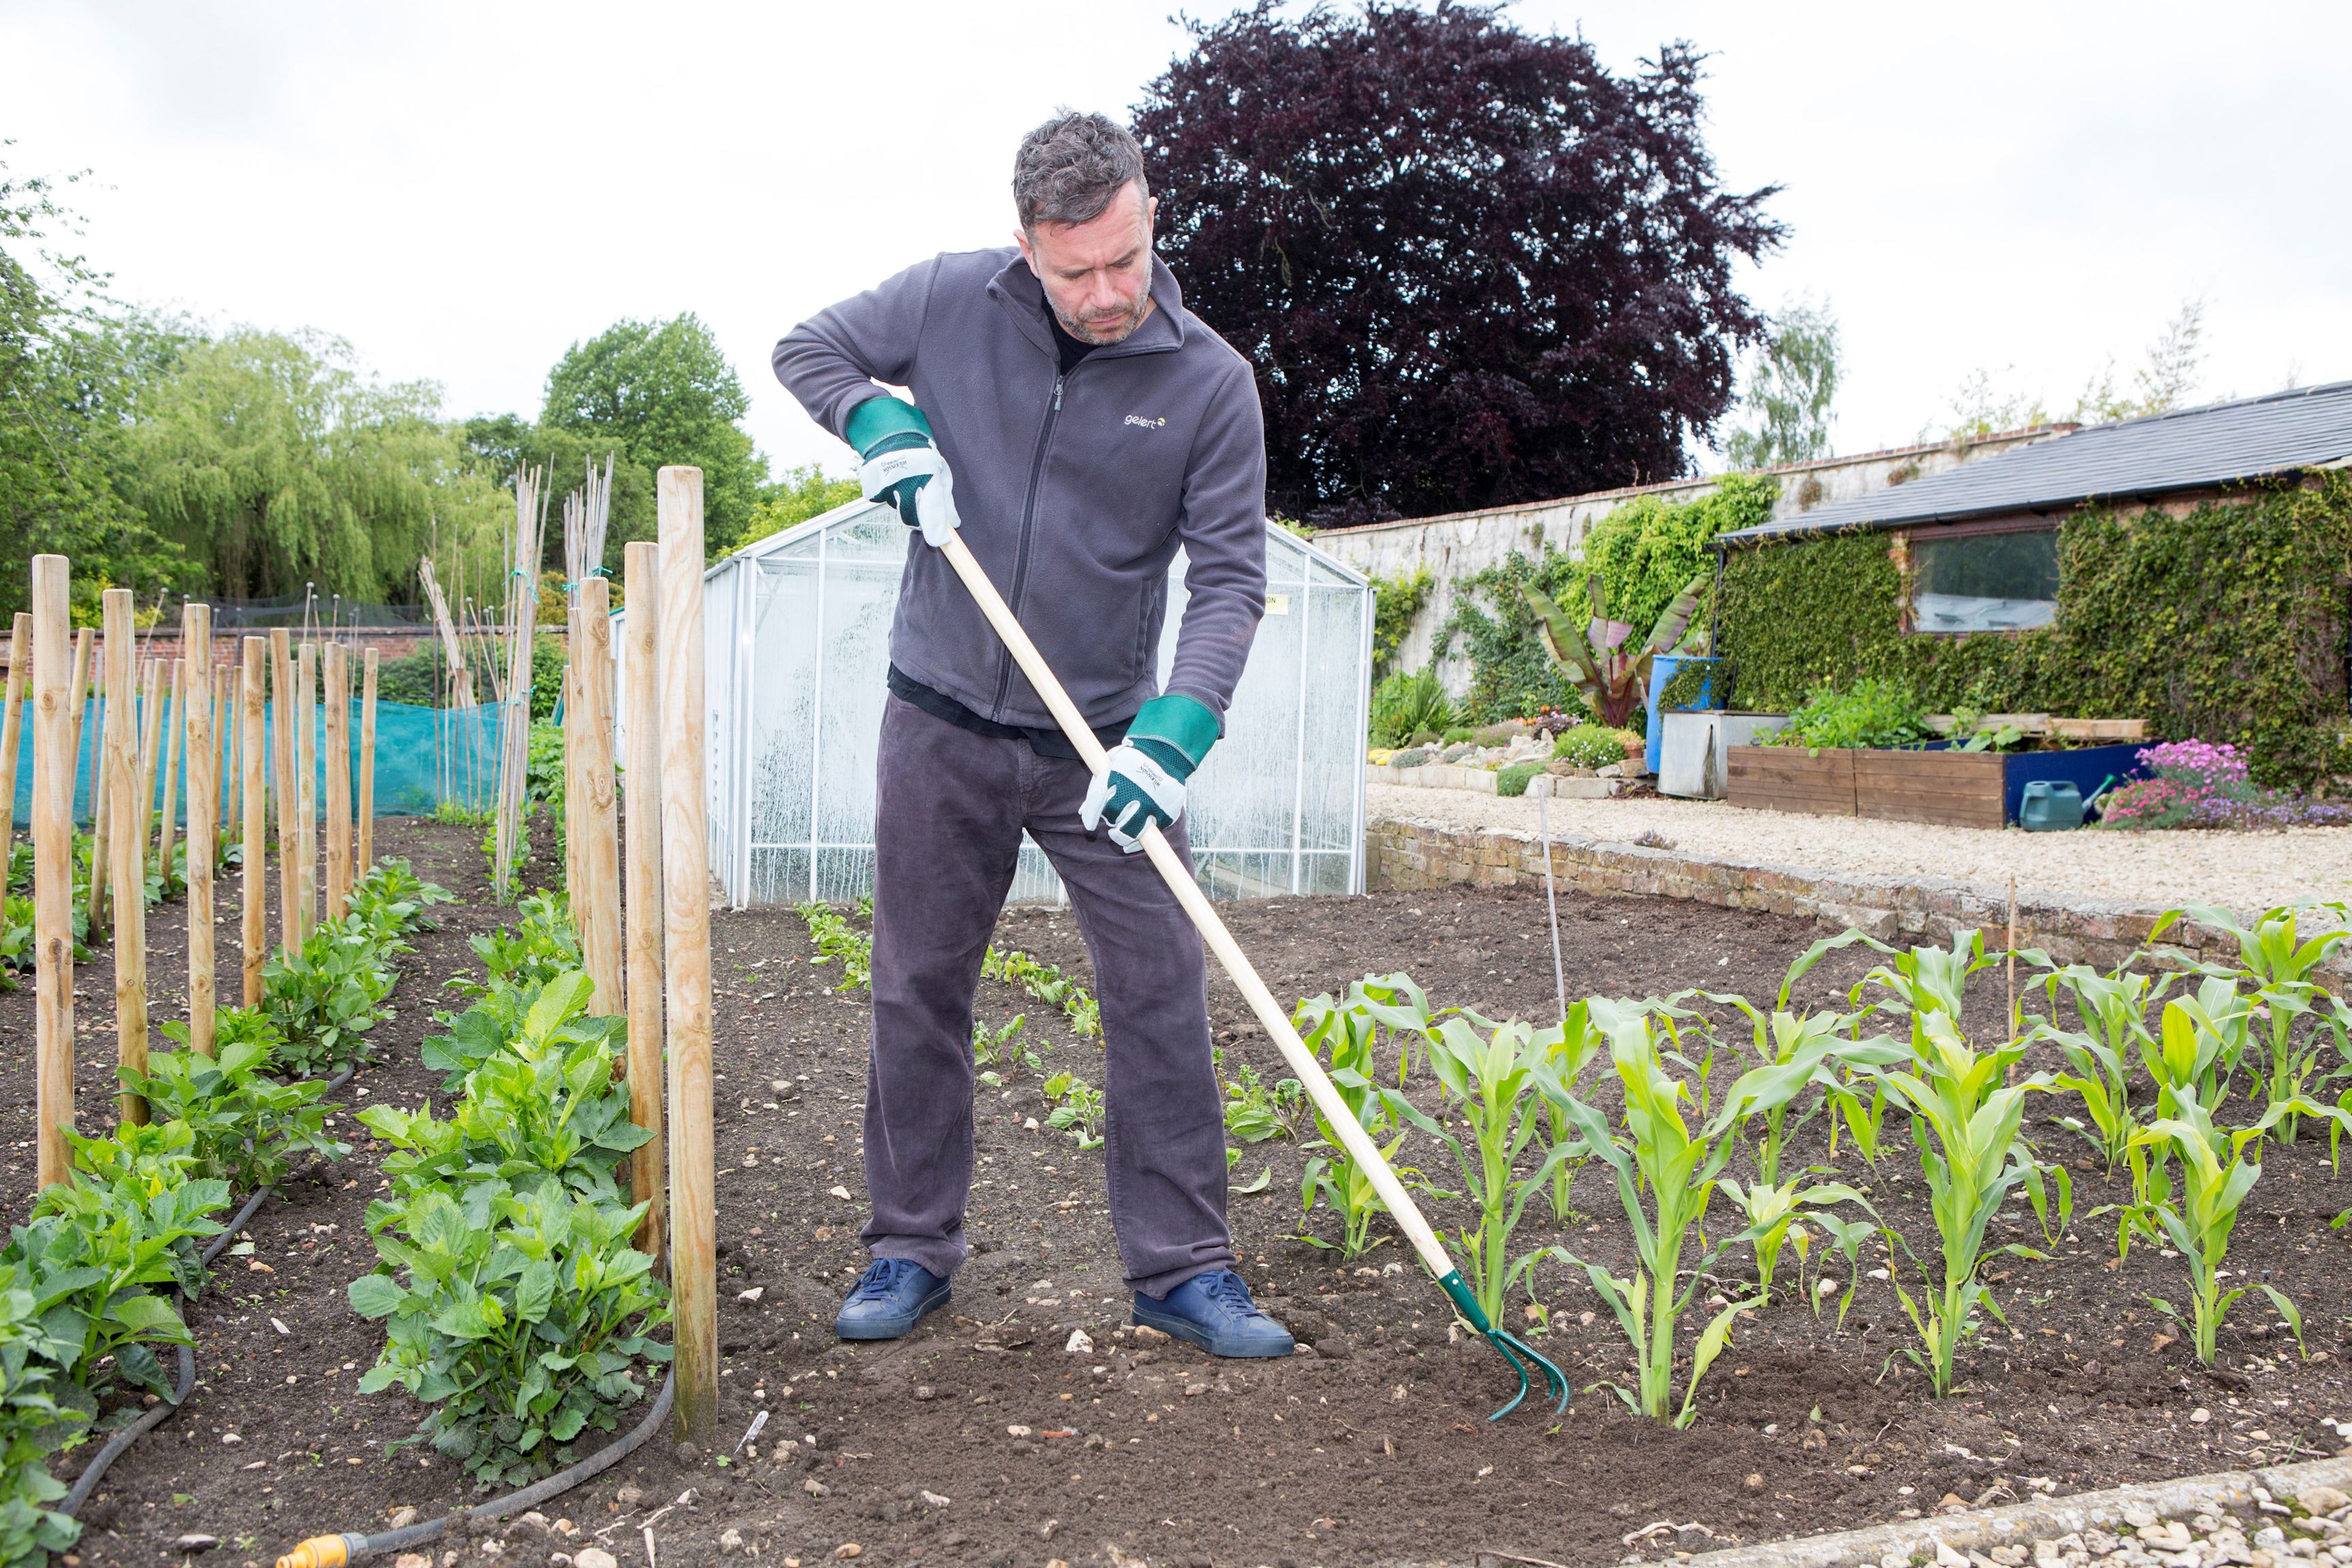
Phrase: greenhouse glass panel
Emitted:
{"points": [[1278, 808]]}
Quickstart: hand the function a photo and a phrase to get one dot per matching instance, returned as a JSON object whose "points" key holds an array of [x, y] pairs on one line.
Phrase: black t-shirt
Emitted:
{"points": [[1072, 349]]}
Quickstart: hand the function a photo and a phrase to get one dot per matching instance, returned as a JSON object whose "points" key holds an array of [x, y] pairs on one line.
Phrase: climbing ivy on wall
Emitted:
{"points": [[1646, 550], [2227, 623], [1396, 600]]}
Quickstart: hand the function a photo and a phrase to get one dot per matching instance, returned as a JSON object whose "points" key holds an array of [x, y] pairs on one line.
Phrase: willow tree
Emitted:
{"points": [[278, 463]]}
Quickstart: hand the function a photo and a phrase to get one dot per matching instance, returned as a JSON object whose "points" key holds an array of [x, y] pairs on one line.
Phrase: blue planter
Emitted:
{"points": [[1662, 669], [2087, 769]]}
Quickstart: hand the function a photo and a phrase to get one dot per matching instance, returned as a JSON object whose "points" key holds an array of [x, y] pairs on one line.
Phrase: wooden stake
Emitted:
{"points": [[575, 715], [253, 814], [686, 925], [142, 822], [57, 703], [174, 720], [306, 788], [596, 899], [203, 810], [367, 763], [124, 774], [338, 760], [640, 660], [20, 650], [281, 731], [86, 676]]}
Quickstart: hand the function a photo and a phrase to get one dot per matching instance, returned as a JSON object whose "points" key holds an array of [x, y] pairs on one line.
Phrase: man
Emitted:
{"points": [[1076, 424]]}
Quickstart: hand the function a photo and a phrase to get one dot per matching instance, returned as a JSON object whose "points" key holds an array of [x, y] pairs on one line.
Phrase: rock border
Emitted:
{"points": [[1407, 854]]}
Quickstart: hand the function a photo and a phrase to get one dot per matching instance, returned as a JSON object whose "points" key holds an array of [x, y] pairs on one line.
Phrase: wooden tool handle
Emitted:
{"points": [[1178, 876]]}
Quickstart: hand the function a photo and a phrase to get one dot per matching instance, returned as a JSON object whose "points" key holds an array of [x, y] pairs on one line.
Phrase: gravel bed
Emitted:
{"points": [[2245, 871], [2276, 1535]]}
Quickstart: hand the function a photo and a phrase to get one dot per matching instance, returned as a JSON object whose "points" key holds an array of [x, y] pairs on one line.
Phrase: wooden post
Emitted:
{"points": [[686, 926], [596, 898], [576, 713], [253, 823], [305, 787], [174, 720], [150, 756], [338, 760], [640, 655], [56, 702], [229, 808], [281, 731], [84, 678], [367, 763], [20, 650], [123, 774], [203, 810]]}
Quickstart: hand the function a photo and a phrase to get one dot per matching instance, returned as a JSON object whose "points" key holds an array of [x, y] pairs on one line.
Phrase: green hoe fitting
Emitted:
{"points": [[1270, 1015]]}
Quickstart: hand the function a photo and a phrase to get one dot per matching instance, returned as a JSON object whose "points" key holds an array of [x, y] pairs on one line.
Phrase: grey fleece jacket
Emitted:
{"points": [[1075, 491]]}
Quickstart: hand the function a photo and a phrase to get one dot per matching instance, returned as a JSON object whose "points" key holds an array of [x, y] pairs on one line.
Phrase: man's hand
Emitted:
{"points": [[901, 468], [1144, 782]]}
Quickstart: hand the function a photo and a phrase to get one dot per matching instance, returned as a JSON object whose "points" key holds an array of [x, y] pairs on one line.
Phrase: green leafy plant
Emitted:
{"points": [[245, 1124], [1512, 782], [1612, 681], [1346, 1034], [325, 997], [1005, 1047], [40, 1412], [539, 945], [1254, 1112], [391, 899], [1396, 600], [523, 1331], [1589, 746], [1406, 704], [2276, 962], [1078, 1110], [837, 940], [1046, 984]]}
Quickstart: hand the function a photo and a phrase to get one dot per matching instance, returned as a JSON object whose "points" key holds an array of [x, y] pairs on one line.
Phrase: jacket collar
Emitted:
{"points": [[1016, 288]]}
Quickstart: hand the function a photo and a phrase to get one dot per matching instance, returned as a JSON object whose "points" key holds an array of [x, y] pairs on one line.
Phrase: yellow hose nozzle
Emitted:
{"points": [[321, 1552]]}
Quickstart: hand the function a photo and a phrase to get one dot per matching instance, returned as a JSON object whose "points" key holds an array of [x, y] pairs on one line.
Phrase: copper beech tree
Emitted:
{"points": [[1471, 265]]}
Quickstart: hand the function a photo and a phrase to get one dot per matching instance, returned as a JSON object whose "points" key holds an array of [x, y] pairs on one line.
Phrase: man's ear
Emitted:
{"points": [[1150, 211], [1021, 238]]}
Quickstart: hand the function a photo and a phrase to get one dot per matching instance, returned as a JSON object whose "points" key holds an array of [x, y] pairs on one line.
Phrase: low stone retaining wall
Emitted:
{"points": [[1407, 853]]}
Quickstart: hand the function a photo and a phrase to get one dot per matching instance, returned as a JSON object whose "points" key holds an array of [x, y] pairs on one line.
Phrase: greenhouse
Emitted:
{"points": [[798, 636]]}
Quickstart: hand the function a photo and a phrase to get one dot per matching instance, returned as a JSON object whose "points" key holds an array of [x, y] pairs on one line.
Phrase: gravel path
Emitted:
{"points": [[2246, 871]]}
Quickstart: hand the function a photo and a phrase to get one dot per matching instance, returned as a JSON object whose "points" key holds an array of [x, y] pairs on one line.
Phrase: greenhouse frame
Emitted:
{"points": [[796, 637]]}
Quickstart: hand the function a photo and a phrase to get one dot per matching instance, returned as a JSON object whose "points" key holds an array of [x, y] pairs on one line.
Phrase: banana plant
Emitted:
{"points": [[1593, 656], [2277, 961], [2215, 1179], [1658, 1153], [1964, 1122]]}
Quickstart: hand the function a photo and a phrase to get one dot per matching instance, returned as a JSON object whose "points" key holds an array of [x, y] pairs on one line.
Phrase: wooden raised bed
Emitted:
{"points": [[1964, 789], [1792, 778]]}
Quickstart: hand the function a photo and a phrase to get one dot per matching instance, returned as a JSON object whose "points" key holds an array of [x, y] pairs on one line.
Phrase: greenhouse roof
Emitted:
{"points": [[2254, 437]]}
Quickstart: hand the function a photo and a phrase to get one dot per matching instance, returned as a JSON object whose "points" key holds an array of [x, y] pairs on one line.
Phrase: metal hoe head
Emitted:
{"points": [[1515, 1350]]}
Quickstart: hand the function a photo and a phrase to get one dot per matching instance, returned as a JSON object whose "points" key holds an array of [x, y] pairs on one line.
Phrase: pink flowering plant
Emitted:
{"points": [[2200, 784]]}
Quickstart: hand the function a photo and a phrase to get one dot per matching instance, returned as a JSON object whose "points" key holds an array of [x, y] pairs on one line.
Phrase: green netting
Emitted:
{"points": [[423, 757]]}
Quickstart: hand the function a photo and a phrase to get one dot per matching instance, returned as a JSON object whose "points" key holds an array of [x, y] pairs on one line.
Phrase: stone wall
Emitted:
{"points": [[1405, 853]]}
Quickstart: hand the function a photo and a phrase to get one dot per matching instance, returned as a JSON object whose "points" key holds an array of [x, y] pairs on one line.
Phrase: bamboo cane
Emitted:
{"points": [[174, 720], [1271, 1015], [119, 610], [306, 788], [281, 729], [338, 760], [20, 650], [596, 899], [367, 763], [253, 814], [686, 898], [86, 677], [56, 702], [203, 811], [641, 561]]}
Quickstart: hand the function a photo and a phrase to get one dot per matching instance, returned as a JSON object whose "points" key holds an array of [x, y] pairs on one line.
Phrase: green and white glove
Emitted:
{"points": [[901, 468], [1145, 781]]}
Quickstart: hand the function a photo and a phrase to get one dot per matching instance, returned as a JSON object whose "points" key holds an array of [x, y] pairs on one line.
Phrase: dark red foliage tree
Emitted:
{"points": [[1471, 265]]}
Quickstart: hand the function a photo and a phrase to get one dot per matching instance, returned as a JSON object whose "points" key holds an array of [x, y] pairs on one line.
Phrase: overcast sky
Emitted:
{"points": [[462, 191]]}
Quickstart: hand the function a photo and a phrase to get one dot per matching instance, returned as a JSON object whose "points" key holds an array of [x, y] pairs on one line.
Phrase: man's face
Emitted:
{"points": [[1097, 274]]}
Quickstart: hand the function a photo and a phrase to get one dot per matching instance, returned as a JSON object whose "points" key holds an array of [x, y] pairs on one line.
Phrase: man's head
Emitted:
{"points": [[1086, 224]]}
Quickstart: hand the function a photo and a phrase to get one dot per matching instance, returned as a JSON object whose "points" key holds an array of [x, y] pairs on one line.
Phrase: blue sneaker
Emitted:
{"points": [[1214, 1312], [889, 1299]]}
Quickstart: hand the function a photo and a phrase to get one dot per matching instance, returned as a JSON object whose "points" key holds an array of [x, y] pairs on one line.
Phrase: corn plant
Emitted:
{"points": [[1346, 1034], [1578, 1043], [1658, 1153], [2113, 1011], [2215, 1179], [1078, 1110], [2277, 962], [1925, 979], [1964, 1122]]}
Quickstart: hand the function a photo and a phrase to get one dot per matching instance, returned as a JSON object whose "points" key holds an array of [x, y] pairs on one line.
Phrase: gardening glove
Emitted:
{"points": [[901, 468], [1144, 781]]}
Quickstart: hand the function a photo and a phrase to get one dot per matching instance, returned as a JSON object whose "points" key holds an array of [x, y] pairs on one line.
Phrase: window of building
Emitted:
{"points": [[1984, 580]]}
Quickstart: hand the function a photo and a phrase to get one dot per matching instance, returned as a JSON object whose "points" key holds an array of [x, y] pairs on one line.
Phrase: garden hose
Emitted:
{"points": [[333, 1550], [1270, 1015]]}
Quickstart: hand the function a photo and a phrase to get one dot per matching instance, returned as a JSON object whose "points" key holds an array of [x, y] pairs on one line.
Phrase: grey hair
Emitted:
{"points": [[1070, 168]]}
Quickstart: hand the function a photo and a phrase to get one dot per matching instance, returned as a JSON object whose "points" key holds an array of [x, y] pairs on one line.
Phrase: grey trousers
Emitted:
{"points": [[950, 808]]}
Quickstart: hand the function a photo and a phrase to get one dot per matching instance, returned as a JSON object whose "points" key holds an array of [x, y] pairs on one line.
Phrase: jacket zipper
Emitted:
{"points": [[1021, 551]]}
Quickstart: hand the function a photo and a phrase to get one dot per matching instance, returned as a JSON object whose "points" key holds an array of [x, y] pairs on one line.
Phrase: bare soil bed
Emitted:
{"points": [[1373, 1449]]}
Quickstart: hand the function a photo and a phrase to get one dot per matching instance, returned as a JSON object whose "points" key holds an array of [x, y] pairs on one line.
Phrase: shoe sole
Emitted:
{"points": [[1191, 1333], [892, 1328]]}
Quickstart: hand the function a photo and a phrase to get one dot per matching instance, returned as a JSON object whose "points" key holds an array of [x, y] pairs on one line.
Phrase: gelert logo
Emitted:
{"points": [[1147, 424]]}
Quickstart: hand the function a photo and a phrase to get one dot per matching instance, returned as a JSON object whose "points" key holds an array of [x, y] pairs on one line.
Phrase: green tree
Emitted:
{"points": [[667, 395], [499, 444], [277, 462], [1785, 414], [803, 493]]}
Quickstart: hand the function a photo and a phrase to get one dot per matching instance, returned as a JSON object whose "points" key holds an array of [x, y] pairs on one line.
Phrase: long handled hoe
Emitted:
{"points": [[1276, 1022]]}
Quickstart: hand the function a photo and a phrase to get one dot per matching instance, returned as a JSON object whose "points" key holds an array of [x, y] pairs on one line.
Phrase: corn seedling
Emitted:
{"points": [[2113, 1010], [1078, 1109], [1925, 979], [1578, 1043], [1658, 1153], [2277, 964], [1345, 1034], [1964, 1122]]}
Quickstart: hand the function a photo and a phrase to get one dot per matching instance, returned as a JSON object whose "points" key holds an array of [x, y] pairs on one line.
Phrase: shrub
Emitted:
{"points": [[1513, 780], [1404, 705], [1459, 733], [2197, 784], [1869, 712], [1589, 746]]}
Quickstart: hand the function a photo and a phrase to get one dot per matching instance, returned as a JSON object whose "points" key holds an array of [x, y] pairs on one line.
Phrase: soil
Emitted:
{"points": [[1371, 1448]]}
